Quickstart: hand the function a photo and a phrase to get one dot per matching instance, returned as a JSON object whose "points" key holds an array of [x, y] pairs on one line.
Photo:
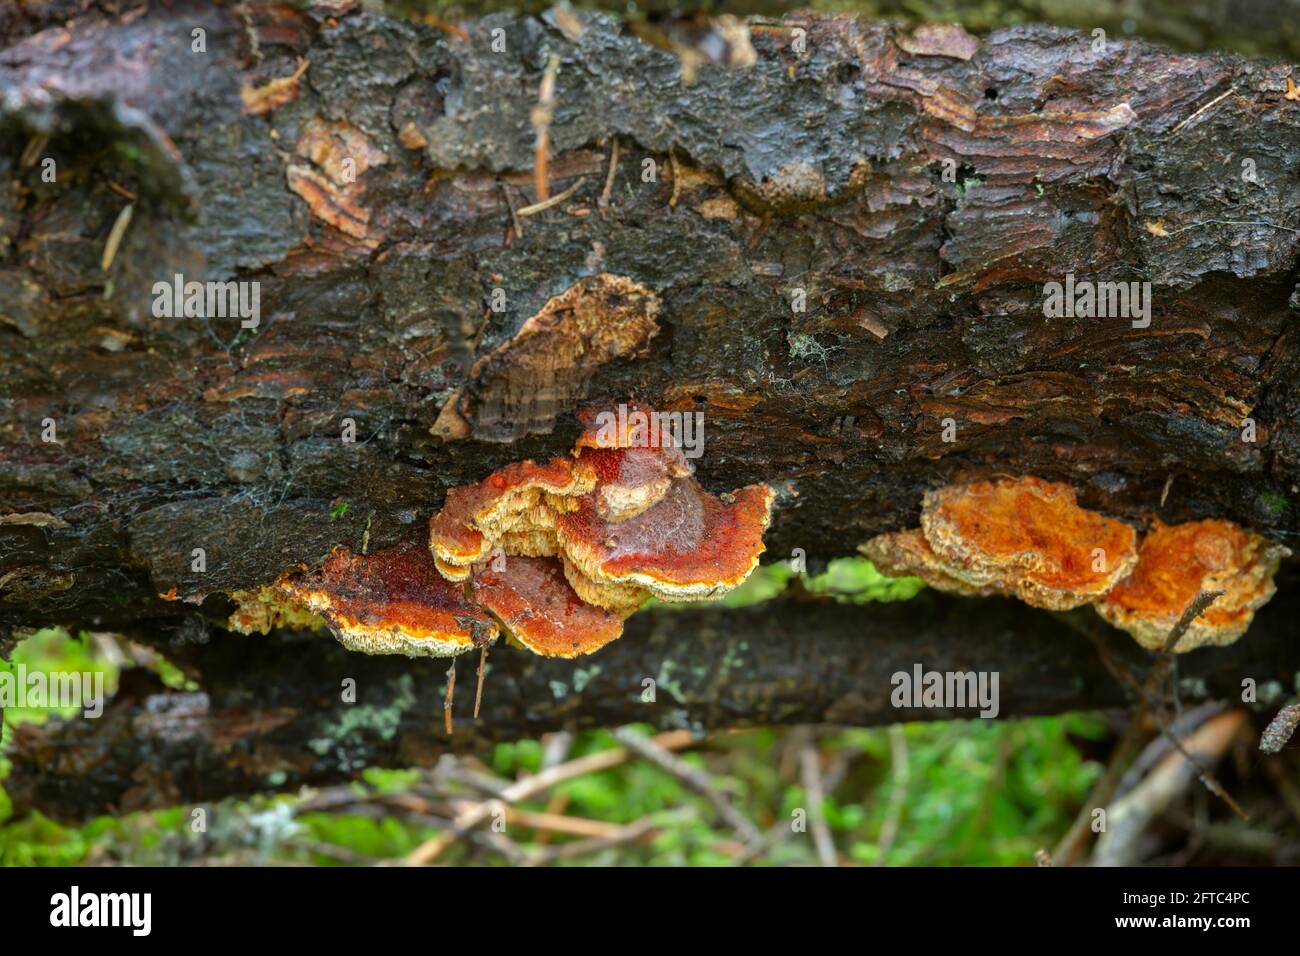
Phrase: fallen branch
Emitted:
{"points": [[276, 696]]}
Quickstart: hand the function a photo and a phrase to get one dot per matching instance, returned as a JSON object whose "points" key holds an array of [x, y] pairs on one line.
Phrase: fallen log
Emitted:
{"points": [[849, 232], [273, 711]]}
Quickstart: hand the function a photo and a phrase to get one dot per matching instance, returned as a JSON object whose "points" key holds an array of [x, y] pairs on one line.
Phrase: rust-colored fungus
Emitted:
{"points": [[391, 602], [690, 546], [902, 553], [1177, 562], [559, 552], [539, 609], [623, 518], [634, 459], [521, 497], [257, 612], [622, 599], [1028, 537]]}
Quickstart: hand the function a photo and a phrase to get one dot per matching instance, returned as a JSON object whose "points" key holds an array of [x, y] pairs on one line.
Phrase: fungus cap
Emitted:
{"points": [[522, 495], [634, 456], [531, 597], [630, 480], [690, 546], [1028, 537], [1177, 562], [622, 599], [391, 602], [903, 553]]}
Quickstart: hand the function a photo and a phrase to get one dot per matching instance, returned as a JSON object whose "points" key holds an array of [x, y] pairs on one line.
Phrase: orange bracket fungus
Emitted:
{"points": [[558, 554], [1029, 538], [1175, 564], [517, 502], [623, 519], [688, 546], [903, 553], [533, 600], [1024, 536], [391, 602]]}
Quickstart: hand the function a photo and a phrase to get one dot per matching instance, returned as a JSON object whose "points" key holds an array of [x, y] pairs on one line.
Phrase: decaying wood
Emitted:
{"points": [[272, 713], [913, 191]]}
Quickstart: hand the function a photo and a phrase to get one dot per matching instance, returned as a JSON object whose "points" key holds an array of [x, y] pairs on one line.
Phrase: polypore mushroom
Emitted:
{"points": [[519, 498], [903, 553], [622, 599], [620, 521], [257, 612], [633, 458], [391, 602], [1027, 537], [690, 546], [1175, 564], [539, 609]]}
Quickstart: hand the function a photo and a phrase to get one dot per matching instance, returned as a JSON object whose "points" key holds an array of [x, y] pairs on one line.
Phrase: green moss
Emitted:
{"points": [[1274, 504]]}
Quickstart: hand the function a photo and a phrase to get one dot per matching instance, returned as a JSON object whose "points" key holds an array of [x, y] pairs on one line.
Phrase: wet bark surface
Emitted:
{"points": [[375, 176]]}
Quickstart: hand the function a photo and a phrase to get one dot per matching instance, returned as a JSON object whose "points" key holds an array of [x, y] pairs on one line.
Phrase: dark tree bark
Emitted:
{"points": [[821, 173]]}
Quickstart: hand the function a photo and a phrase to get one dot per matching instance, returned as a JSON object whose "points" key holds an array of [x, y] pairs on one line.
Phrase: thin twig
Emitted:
{"points": [[1207, 778], [429, 850], [696, 780], [120, 190], [542, 115], [558, 823], [537, 207], [1218, 99], [482, 667], [1193, 611], [630, 833], [608, 191], [115, 236], [677, 179], [514, 217], [450, 696], [810, 775]]}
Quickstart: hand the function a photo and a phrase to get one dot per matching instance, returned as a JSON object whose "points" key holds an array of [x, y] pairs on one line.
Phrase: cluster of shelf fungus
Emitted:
{"points": [[1030, 539], [557, 555], [554, 555]]}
